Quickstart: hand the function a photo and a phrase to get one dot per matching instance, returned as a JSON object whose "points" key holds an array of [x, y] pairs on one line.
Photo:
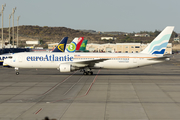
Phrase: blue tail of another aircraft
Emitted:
{"points": [[61, 46]]}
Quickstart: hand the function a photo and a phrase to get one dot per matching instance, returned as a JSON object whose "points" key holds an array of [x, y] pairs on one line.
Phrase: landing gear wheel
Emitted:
{"points": [[16, 70], [17, 73], [89, 73], [85, 73]]}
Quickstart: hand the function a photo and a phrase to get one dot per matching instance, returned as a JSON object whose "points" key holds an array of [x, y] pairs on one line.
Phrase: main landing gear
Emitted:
{"points": [[87, 72], [17, 71]]}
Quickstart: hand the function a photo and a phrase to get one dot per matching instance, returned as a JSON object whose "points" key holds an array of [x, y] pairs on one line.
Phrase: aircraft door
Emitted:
{"points": [[20, 58]]}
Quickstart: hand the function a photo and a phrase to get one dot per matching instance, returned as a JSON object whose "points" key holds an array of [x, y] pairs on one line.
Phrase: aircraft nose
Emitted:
{"points": [[6, 63]]}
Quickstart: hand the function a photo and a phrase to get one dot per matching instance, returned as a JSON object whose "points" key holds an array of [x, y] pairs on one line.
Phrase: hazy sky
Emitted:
{"points": [[99, 15]]}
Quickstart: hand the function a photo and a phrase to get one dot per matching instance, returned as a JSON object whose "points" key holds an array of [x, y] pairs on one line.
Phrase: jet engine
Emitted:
{"points": [[66, 68]]}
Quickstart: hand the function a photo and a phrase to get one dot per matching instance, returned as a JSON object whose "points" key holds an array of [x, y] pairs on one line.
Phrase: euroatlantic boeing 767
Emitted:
{"points": [[68, 62]]}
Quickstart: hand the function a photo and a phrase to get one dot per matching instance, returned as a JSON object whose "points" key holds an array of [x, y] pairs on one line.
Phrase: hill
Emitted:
{"points": [[55, 34]]}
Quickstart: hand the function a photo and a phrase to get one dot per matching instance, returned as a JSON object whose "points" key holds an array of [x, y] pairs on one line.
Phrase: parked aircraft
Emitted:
{"points": [[83, 47], [61, 46], [80, 40], [4, 56], [68, 62], [75, 45]]}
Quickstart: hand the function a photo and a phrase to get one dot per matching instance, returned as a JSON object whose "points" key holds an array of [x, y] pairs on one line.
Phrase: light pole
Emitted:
{"points": [[13, 11], [17, 28], [2, 21], [9, 28]]}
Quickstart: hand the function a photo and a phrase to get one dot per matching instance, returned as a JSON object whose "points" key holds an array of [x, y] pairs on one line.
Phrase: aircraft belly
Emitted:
{"points": [[113, 64], [148, 62]]}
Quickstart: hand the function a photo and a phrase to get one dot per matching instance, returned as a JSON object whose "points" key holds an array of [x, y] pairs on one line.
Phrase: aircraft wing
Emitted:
{"points": [[89, 63]]}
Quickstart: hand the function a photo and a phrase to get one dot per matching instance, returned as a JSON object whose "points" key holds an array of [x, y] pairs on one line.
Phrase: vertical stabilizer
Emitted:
{"points": [[73, 45], [83, 45], [61, 46], [80, 40], [159, 44]]}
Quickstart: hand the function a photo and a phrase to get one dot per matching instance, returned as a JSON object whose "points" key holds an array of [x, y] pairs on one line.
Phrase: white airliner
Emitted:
{"points": [[68, 62]]}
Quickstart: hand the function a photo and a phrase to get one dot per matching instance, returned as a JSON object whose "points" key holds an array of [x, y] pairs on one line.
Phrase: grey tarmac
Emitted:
{"points": [[146, 93]]}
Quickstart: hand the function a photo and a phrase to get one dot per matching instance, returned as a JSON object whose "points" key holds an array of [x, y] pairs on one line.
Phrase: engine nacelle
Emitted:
{"points": [[66, 68]]}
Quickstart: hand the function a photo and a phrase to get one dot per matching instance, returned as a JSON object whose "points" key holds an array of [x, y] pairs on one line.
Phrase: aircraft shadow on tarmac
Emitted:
{"points": [[143, 74], [135, 74]]}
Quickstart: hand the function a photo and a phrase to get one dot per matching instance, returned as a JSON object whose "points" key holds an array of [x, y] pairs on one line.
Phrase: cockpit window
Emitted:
{"points": [[10, 57]]}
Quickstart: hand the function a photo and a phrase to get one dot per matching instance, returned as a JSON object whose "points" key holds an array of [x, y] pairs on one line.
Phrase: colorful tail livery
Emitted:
{"points": [[61, 46], [83, 45], [75, 44], [80, 40], [159, 44]]}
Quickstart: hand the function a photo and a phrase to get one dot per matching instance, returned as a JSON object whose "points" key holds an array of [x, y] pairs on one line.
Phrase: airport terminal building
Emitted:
{"points": [[118, 47]]}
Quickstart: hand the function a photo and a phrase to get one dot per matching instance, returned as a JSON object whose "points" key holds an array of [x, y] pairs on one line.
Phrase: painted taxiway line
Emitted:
{"points": [[58, 84], [91, 84], [38, 111], [73, 85], [82, 95]]}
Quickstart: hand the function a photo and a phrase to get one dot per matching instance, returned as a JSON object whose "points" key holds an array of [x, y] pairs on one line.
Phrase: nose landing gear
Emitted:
{"points": [[17, 71]]}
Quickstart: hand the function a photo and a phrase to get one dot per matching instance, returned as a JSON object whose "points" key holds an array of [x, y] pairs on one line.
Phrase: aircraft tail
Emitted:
{"points": [[83, 45], [73, 45], [159, 44], [80, 40], [61, 46]]}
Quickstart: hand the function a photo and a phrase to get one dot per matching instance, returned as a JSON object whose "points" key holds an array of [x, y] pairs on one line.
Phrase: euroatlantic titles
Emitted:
{"points": [[49, 58]]}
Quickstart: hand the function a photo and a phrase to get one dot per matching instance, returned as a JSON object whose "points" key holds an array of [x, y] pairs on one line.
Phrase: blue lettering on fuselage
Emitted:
{"points": [[28, 58], [49, 58], [2, 58]]}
